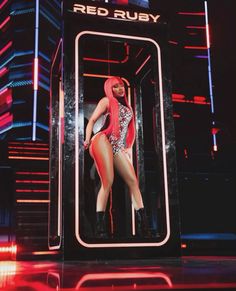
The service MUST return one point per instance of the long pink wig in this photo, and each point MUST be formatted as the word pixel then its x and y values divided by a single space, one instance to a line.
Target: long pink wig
pixel 113 109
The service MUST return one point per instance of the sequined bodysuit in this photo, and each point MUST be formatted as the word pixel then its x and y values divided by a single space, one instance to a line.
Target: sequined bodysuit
pixel 125 116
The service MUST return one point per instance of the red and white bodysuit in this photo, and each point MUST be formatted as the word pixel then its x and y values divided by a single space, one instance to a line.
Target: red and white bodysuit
pixel 125 116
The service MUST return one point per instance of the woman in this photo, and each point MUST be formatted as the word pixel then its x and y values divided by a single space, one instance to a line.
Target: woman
pixel 111 147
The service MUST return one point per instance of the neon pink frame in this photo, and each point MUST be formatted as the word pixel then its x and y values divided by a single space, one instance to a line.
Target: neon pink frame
pixel 77 149
pixel 60 176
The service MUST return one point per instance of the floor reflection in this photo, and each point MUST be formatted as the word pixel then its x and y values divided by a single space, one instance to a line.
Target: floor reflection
pixel 187 273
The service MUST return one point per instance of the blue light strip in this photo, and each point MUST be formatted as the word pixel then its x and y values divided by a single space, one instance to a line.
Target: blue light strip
pixel 21 83
pixel 22 11
pixel 36 48
pixel 6 86
pixel 22 124
pixel 45 57
pixel 44 86
pixel 210 74
pixel 50 18
pixel 12 56
pixel 43 126
pixel 6 129
pixel 28 123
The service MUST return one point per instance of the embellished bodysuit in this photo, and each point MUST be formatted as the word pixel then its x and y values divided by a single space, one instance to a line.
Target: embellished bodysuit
pixel 125 116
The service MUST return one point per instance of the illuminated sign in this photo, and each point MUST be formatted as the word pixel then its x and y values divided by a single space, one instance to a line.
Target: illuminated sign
pixel 119 14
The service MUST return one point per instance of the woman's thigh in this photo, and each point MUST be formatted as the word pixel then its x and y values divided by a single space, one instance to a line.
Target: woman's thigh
pixel 101 151
pixel 125 168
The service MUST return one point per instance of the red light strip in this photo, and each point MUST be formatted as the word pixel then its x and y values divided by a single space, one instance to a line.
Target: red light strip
pixel 6 47
pixel 196 99
pixel 45 253
pixel 199 98
pixel 196 27
pixel 32 173
pixel 31 191
pixel 27 158
pixel 3 3
pixel 192 13
pixel 32 181
pixel 195 47
pixel 28 143
pixel 143 64
pixel 3 71
pixel 28 148
pixel 31 201
pixel 7 119
pixel 102 60
pixel 178 96
pixel 201 102
pixel 5 22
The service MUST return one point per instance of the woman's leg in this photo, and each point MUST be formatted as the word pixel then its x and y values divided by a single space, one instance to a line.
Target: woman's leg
pixel 126 171
pixel 101 152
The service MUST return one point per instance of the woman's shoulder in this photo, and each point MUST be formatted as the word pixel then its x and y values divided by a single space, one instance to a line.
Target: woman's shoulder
pixel 104 101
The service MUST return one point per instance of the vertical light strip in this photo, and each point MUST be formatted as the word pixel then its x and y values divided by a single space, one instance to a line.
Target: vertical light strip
pixel 210 74
pixel 36 48
pixel 36 63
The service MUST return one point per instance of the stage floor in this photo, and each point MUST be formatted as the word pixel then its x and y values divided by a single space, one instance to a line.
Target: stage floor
pixel 185 273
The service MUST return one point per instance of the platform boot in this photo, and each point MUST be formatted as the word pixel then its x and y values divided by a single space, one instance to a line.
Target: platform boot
pixel 142 224
pixel 101 227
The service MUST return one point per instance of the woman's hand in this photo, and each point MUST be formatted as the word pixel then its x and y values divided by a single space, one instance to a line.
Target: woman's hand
pixel 86 144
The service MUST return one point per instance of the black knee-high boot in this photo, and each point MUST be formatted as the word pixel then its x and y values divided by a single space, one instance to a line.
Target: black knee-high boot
pixel 142 224
pixel 101 229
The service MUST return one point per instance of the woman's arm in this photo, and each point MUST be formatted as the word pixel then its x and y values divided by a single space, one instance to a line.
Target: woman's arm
pixel 101 108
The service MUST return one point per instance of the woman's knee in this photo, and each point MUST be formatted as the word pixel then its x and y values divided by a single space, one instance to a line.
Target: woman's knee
pixel 107 182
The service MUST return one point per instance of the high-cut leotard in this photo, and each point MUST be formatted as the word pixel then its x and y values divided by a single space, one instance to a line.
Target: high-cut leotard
pixel 125 116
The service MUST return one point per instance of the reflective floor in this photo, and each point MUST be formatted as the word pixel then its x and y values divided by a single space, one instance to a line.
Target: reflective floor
pixel 186 273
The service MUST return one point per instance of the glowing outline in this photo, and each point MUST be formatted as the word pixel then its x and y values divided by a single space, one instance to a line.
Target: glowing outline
pixel 112 245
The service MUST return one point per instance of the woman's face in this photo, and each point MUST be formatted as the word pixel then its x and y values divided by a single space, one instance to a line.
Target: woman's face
pixel 118 90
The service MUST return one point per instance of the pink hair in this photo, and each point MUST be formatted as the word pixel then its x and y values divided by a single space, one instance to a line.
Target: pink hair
pixel 113 109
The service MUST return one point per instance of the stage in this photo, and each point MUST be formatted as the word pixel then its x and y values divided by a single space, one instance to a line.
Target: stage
pixel 185 273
